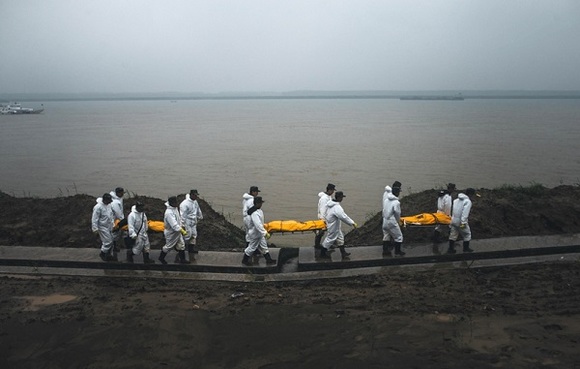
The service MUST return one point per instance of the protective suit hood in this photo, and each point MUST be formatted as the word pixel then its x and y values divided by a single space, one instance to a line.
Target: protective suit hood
pixel 114 196
pixel 332 203
pixel 388 191
pixel 247 196
pixel 391 197
pixel 462 196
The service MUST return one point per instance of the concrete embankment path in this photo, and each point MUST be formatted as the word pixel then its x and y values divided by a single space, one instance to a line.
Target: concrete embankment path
pixel 299 263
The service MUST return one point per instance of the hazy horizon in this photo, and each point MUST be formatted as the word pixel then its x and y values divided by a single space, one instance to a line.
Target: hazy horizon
pixel 258 46
pixel 290 94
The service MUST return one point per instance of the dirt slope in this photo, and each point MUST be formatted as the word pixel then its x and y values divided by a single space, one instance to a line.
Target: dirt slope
pixel 502 212
pixel 66 222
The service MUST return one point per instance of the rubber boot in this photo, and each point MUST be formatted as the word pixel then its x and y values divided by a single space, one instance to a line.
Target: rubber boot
pixel 130 256
pixel 103 256
pixel 191 249
pixel 466 247
pixel 398 251
pixel 269 259
pixel 147 259
pixel 191 252
pixel 182 259
pixel 246 260
pixel 317 240
pixel 111 256
pixel 451 249
pixel 386 249
pixel 162 257
pixel 343 252
pixel 324 253
pixel 436 237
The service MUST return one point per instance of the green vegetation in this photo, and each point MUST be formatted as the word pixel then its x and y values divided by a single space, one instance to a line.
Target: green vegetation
pixel 533 189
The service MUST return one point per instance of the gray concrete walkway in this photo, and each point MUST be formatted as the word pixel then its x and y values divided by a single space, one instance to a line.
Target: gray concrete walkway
pixel 293 263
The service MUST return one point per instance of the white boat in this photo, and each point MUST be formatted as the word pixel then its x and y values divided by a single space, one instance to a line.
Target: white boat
pixel 16 108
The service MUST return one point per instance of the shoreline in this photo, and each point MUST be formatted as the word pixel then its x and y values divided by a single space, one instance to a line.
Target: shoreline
pixel 499 316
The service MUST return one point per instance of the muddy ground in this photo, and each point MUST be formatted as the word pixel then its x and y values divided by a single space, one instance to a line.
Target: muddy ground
pixel 524 316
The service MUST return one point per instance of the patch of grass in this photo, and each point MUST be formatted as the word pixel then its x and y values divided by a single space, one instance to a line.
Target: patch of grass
pixel 69 192
pixel 533 189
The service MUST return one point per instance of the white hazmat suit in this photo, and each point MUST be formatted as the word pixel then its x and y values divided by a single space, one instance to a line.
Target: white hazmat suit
pixel 323 200
pixel 444 204
pixel 172 232
pixel 137 223
pixel 460 218
pixel 391 217
pixel 102 222
pixel 247 203
pixel 334 216
pixel 117 207
pixel 256 232
pixel 191 214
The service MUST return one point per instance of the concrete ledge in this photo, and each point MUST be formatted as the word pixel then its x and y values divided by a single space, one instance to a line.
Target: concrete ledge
pixel 293 262
pixel 372 257
pixel 486 249
pixel 57 257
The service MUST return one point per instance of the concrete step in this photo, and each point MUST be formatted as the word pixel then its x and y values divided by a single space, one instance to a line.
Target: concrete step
pixel 303 259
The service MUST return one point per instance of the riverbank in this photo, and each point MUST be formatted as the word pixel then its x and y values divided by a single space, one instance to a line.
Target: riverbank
pixel 503 212
pixel 524 316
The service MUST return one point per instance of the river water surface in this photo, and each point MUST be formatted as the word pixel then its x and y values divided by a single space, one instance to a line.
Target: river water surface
pixel 289 148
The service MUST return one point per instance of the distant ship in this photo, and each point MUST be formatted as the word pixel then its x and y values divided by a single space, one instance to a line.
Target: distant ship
pixel 16 108
pixel 433 97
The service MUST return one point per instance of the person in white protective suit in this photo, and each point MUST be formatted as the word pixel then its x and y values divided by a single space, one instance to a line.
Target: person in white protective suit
pixel 257 234
pixel 173 232
pixel 334 216
pixel 391 218
pixel 248 202
pixel 323 199
pixel 137 223
pixel 191 214
pixel 389 189
pixel 444 203
pixel 102 224
pixel 118 212
pixel 460 221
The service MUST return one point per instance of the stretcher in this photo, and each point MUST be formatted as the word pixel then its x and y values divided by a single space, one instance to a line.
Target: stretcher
pixel 425 219
pixel 282 226
pixel 152 225
pixel 155 225
pixel 275 226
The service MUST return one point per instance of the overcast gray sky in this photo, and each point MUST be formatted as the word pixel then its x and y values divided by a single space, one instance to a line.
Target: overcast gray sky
pixel 71 46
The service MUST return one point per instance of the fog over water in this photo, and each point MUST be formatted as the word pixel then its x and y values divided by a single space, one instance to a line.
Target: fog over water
pixel 111 46
pixel 290 148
